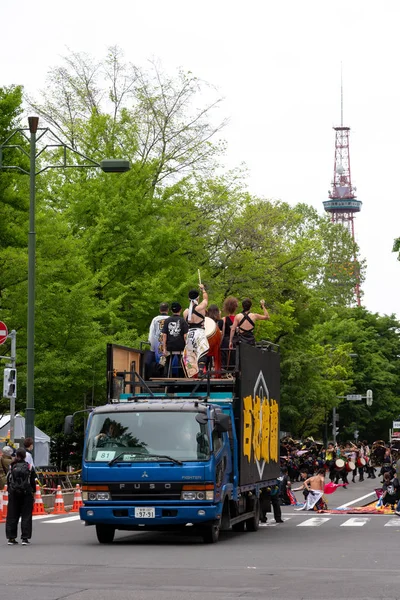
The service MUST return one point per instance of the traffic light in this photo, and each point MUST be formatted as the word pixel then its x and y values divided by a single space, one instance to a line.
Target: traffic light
pixel 10 383
pixel 369 397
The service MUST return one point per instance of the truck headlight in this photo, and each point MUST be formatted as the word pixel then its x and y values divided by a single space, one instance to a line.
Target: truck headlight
pixel 95 492
pixel 197 495
pixel 96 496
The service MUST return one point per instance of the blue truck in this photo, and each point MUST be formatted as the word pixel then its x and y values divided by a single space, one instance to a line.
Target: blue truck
pixel 173 453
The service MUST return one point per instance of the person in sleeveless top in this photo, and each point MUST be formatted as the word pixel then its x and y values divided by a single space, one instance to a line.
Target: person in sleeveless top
pixel 244 323
pixel 227 356
pixel 196 341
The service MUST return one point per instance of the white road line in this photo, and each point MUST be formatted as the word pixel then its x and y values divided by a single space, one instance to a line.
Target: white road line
pixel 273 523
pixel 64 519
pixel 355 522
pixel 357 500
pixel 47 516
pixel 393 523
pixel 314 522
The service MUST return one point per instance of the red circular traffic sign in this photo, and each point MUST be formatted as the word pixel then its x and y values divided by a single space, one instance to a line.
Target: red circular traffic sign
pixel 3 332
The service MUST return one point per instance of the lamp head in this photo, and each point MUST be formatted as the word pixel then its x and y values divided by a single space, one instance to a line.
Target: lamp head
pixel 113 165
pixel 33 124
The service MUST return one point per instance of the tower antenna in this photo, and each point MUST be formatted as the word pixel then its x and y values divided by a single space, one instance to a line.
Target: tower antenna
pixel 341 94
pixel 343 204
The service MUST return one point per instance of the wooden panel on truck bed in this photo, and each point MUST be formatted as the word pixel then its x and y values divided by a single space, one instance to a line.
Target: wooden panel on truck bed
pixel 257 414
pixel 120 359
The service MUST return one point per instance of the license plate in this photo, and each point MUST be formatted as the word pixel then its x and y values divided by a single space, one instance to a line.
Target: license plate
pixel 144 512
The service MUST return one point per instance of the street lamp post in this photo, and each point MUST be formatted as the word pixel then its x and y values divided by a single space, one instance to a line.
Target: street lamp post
pixel 108 166
pixel 30 349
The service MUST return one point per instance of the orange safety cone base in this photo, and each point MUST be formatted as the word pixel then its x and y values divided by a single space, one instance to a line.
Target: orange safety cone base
pixel 38 507
pixel 78 502
pixel 4 503
pixel 59 506
pixel 2 519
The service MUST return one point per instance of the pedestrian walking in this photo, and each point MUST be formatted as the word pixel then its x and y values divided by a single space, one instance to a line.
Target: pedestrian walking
pixel 21 485
pixel 270 499
pixel 28 445
pixel 5 461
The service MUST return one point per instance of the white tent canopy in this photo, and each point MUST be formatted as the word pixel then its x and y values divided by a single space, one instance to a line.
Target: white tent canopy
pixel 42 441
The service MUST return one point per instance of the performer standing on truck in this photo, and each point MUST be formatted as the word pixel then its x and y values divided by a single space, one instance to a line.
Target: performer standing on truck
pixel 174 336
pixel 156 341
pixel 244 323
pixel 196 342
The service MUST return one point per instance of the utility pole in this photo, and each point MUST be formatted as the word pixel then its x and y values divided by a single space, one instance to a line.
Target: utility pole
pixel 334 424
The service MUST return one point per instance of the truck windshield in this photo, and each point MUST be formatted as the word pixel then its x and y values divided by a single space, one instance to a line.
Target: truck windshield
pixel 149 435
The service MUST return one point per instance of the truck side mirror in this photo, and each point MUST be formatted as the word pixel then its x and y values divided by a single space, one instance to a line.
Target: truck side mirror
pixel 69 425
pixel 201 418
pixel 222 422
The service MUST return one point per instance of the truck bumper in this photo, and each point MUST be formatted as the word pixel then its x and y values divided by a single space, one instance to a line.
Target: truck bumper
pixel 165 516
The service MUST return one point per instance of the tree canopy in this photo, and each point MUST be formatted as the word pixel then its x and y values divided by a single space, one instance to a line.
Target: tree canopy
pixel 111 247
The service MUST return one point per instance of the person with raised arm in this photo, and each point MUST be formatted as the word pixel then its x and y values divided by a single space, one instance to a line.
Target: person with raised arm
pixel 244 323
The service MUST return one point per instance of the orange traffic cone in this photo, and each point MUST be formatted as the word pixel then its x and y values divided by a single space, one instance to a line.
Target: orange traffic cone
pixel 38 507
pixel 2 519
pixel 59 507
pixel 78 502
pixel 5 502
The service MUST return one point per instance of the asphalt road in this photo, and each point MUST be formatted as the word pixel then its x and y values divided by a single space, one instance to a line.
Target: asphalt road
pixel 318 557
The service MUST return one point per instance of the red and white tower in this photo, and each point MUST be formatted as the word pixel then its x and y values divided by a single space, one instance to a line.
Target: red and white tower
pixel 343 204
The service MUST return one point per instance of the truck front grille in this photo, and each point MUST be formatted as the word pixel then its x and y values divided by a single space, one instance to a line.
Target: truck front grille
pixel 146 491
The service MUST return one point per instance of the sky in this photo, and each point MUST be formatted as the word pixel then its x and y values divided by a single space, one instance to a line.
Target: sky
pixel 277 65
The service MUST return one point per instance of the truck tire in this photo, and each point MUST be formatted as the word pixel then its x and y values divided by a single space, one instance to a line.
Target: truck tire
pixel 210 533
pixel 239 526
pixel 105 533
pixel 254 523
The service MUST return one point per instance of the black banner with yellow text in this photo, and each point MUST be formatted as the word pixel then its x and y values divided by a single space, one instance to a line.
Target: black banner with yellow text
pixel 257 414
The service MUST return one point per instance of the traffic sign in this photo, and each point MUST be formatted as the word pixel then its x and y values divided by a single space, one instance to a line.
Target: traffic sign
pixel 396 424
pixel 354 397
pixel 3 332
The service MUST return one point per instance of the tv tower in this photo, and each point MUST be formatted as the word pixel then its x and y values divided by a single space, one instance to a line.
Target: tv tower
pixel 343 203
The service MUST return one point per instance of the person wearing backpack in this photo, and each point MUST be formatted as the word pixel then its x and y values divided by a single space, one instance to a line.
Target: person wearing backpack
pixel 21 485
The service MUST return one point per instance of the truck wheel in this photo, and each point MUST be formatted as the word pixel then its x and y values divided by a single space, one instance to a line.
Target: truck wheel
pixel 254 523
pixel 105 533
pixel 211 533
pixel 239 526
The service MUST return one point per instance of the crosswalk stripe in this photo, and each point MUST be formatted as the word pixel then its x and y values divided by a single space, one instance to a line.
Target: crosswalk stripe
pixel 273 523
pixel 314 522
pixel 64 519
pixel 355 522
pixel 393 523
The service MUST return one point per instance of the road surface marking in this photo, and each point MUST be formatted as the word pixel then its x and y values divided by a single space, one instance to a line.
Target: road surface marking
pixel 273 523
pixel 48 516
pixel 64 519
pixel 314 522
pixel 355 522
pixel 357 500
pixel 393 523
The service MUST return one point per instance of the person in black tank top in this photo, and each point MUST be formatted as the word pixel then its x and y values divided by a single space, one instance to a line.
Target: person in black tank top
pixel 228 356
pixel 244 323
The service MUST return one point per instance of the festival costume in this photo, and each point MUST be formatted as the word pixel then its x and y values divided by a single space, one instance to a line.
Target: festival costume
pixel 197 344
pixel 155 336
pixel 314 499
